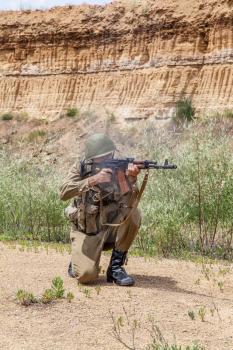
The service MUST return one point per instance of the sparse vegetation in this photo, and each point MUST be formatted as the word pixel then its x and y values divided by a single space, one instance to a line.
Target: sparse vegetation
pixel 72 112
pixel 87 292
pixel 25 298
pixel 196 219
pixel 184 110
pixel 190 209
pixel 35 135
pixel 6 116
pixel 56 292
pixel 125 329
pixel 228 113
pixel 202 313
pixel 191 315
pixel 30 207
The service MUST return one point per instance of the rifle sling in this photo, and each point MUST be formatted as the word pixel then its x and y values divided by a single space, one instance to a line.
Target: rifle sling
pixel 134 206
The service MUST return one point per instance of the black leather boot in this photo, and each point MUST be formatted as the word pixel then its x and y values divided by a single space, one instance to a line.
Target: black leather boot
pixel 116 273
pixel 70 272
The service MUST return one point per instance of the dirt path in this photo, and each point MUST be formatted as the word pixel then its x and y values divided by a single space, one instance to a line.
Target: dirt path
pixel 165 291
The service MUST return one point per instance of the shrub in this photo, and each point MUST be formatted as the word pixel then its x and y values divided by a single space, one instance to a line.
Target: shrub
pixel 25 298
pixel 228 113
pixel 54 293
pixel 190 208
pixel 7 116
pixel 35 135
pixel 184 110
pixel 72 112
pixel 30 207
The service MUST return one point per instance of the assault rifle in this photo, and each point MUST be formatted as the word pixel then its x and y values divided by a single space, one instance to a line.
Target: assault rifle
pixel 119 167
pixel 90 167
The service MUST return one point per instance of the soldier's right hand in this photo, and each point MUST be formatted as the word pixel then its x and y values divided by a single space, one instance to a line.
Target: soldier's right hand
pixel 104 176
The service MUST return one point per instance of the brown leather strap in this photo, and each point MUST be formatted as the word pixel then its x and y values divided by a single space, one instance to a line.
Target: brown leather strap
pixel 134 205
pixel 124 187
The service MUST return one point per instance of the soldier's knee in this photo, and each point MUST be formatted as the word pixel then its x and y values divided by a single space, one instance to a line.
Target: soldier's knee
pixel 88 275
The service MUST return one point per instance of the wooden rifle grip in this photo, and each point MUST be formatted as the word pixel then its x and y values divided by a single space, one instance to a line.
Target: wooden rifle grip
pixel 124 187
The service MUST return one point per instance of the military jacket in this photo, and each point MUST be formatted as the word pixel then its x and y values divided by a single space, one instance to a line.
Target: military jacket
pixel 93 208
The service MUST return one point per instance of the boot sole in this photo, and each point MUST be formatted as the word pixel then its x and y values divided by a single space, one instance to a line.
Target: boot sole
pixel 111 280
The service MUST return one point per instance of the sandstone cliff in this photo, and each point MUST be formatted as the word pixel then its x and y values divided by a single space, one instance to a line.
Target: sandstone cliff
pixel 136 58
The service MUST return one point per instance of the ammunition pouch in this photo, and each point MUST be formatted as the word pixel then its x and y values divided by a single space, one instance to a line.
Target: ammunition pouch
pixel 84 217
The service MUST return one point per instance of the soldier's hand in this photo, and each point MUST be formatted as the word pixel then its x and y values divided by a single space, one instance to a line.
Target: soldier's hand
pixel 133 170
pixel 104 176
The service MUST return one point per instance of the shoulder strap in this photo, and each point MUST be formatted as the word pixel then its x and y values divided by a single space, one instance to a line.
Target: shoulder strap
pixel 134 205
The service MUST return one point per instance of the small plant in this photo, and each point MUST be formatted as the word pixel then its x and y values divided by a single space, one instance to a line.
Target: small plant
pixel 56 291
pixel 125 329
pixel 129 294
pixel 97 289
pixel 87 292
pixel 221 286
pixel 48 296
pixel 58 288
pixel 36 134
pixel 184 110
pixel 111 118
pixel 70 297
pixel 202 313
pixel 191 315
pixel 7 116
pixel 72 112
pixel 25 298
pixel 228 113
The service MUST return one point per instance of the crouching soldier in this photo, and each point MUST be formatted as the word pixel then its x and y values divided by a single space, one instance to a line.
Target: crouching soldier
pixel 102 214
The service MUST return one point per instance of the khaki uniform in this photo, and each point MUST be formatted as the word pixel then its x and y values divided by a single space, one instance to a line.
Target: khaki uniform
pixel 89 236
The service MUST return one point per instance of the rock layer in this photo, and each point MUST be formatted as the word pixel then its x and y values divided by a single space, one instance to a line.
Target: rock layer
pixel 137 58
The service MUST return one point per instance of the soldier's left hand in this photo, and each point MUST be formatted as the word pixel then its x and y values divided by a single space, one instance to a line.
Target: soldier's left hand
pixel 132 170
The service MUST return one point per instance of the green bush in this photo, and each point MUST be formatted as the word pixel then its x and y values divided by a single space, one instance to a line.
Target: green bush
pixel 30 207
pixel 72 112
pixel 57 291
pixel 7 116
pixel 228 113
pixel 184 110
pixel 190 208
pixel 35 135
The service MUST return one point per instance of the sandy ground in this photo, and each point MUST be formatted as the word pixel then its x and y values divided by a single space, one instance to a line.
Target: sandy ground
pixel 165 290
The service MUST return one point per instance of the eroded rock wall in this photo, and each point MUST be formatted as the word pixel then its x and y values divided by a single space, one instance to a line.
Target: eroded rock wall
pixel 135 58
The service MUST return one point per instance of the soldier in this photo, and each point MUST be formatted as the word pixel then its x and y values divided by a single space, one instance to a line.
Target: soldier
pixel 101 215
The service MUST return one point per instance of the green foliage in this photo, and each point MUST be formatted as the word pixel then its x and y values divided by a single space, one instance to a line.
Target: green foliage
pixel 7 116
pixel 87 292
pixel 191 315
pixel 184 110
pixel 72 112
pixel 228 113
pixel 35 135
pixel 190 209
pixel 48 296
pixel 202 313
pixel 56 292
pixel 25 298
pixel 57 287
pixel 69 296
pixel 125 329
pixel 30 207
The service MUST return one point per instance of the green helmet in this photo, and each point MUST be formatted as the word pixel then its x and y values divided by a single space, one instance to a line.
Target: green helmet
pixel 98 145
